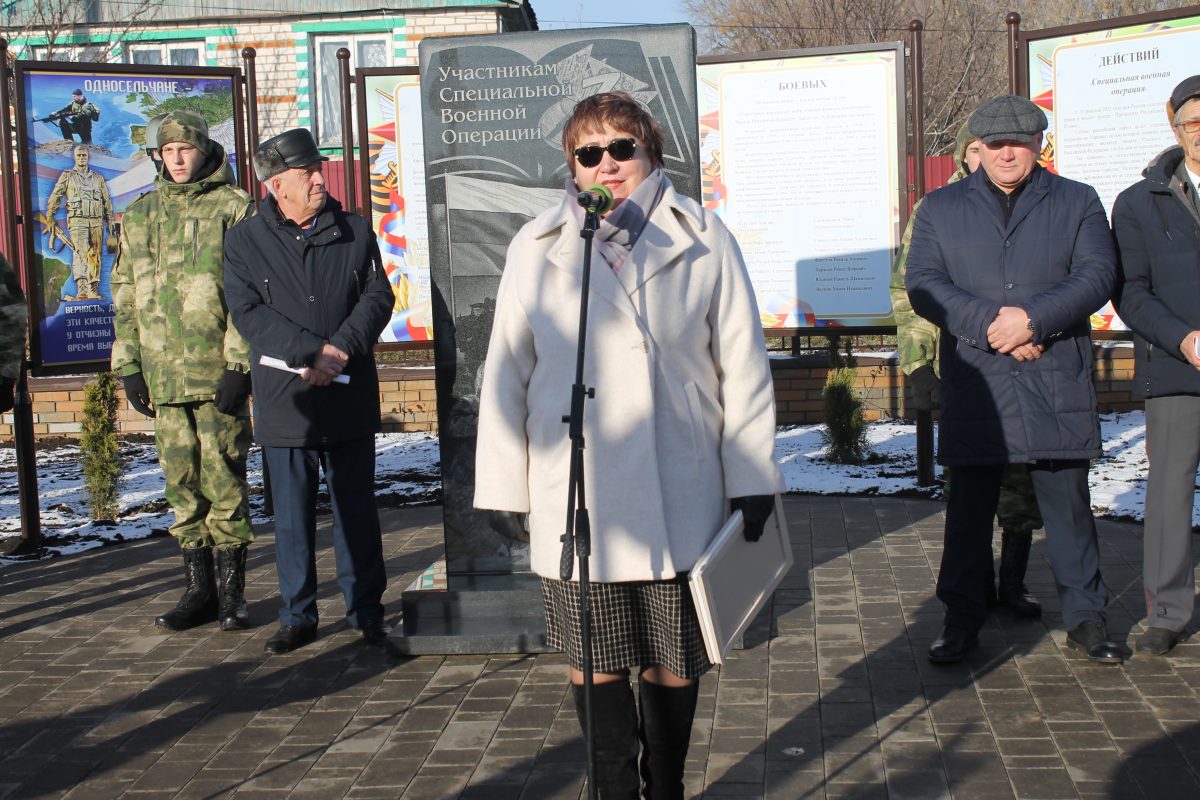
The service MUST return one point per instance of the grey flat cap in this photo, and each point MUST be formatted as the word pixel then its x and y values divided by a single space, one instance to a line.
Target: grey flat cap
pixel 1005 117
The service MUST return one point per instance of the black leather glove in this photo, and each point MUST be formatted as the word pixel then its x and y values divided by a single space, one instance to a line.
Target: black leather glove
pixel 137 394
pixel 509 524
pixel 6 395
pixel 755 511
pixel 232 391
pixel 926 389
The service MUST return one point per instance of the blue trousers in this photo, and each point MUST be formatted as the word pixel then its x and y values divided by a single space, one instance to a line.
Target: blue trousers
pixel 965 576
pixel 349 469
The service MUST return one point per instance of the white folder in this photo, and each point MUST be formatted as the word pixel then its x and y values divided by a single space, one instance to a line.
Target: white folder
pixel 733 579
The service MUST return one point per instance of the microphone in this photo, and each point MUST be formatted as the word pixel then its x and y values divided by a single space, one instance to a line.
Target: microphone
pixel 596 197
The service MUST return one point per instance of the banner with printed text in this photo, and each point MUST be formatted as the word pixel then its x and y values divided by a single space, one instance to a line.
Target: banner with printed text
pixel 82 144
pixel 1105 93
pixel 396 166
pixel 818 229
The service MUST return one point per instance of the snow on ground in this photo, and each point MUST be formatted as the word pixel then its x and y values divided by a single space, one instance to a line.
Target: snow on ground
pixel 407 473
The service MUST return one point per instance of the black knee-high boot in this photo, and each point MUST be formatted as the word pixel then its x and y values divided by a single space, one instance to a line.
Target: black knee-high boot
pixel 616 742
pixel 665 731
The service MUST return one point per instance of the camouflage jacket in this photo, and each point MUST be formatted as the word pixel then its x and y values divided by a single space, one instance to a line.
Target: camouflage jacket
pixel 13 315
pixel 171 319
pixel 75 109
pixel 916 337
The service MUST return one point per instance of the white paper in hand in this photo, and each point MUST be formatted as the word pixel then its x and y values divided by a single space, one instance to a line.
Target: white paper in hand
pixel 279 363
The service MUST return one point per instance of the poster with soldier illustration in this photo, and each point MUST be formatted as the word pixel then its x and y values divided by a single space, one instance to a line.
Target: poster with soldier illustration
pixel 83 155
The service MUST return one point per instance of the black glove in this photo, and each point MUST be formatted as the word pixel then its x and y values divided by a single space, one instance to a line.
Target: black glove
pixel 6 395
pixel 232 391
pixel 509 524
pixel 926 389
pixel 755 511
pixel 137 394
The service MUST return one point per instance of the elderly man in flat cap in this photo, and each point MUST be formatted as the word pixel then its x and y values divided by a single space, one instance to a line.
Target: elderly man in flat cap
pixel 1010 263
pixel 307 288
pixel 1158 295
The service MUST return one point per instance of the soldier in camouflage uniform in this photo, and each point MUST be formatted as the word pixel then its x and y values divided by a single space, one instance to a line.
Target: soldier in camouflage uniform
pixel 177 349
pixel 917 340
pixel 13 315
pixel 89 213
pixel 76 117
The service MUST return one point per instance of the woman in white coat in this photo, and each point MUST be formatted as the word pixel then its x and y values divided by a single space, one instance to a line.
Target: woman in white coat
pixel 681 427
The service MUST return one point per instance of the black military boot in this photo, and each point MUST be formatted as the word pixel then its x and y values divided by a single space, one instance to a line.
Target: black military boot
pixel 1014 558
pixel 231 566
pixel 616 743
pixel 665 730
pixel 198 604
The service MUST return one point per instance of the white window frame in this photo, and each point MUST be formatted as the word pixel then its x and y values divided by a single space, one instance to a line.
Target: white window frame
pixel 70 52
pixel 323 75
pixel 165 49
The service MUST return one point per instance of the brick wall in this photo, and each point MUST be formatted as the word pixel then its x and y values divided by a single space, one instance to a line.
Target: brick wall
pixel 799 381
pixel 408 398
pixel 407 402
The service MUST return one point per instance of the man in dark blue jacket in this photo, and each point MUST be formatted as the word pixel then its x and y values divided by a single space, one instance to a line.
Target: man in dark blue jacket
pixel 306 287
pixel 1157 222
pixel 1010 263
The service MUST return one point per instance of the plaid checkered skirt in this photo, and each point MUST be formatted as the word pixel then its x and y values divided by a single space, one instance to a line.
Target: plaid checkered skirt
pixel 634 624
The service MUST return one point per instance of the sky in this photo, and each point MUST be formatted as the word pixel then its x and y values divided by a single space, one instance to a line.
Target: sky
pixel 552 14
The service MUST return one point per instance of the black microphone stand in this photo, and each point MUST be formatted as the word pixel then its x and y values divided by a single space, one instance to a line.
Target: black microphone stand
pixel 578 536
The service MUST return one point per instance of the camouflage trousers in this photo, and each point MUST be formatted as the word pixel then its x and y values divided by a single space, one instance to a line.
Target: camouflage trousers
pixel 1018 508
pixel 203 457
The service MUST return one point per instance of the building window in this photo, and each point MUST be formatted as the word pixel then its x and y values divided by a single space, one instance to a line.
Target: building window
pixel 366 50
pixel 175 54
pixel 90 53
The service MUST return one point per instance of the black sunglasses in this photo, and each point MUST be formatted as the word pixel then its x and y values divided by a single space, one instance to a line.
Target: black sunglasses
pixel 619 149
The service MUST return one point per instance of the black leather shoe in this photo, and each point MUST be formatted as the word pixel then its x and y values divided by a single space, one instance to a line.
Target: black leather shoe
pixel 290 637
pixel 952 645
pixel 375 632
pixel 1158 641
pixel 1091 637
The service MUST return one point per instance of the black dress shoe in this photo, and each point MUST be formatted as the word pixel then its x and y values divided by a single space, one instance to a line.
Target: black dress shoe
pixel 952 645
pixel 290 637
pixel 375 632
pixel 1091 637
pixel 1158 641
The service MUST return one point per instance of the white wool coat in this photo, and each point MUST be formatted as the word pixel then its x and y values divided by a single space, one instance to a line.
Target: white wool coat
pixel 684 412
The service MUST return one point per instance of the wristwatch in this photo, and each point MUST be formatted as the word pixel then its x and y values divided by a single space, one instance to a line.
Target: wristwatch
pixel 1029 325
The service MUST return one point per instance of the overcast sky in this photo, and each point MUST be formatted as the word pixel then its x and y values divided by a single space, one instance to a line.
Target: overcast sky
pixel 577 14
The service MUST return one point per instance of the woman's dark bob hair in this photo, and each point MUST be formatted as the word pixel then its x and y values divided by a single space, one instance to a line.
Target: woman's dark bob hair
pixel 618 110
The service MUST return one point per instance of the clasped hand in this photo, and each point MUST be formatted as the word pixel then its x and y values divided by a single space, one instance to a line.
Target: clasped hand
pixel 1009 330
pixel 328 364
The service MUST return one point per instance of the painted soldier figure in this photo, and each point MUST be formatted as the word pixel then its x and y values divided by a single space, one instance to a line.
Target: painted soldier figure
pixel 13 316
pixel 89 216
pixel 76 118
pixel 183 363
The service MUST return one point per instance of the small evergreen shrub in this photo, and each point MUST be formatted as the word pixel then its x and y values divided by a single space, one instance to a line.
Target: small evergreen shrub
pixel 845 433
pixel 99 452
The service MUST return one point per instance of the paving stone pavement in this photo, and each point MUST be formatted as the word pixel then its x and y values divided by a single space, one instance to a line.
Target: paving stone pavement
pixel 832 697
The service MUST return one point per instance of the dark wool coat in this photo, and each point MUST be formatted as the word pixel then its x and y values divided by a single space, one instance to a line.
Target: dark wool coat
pixel 1056 260
pixel 1158 286
pixel 288 295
